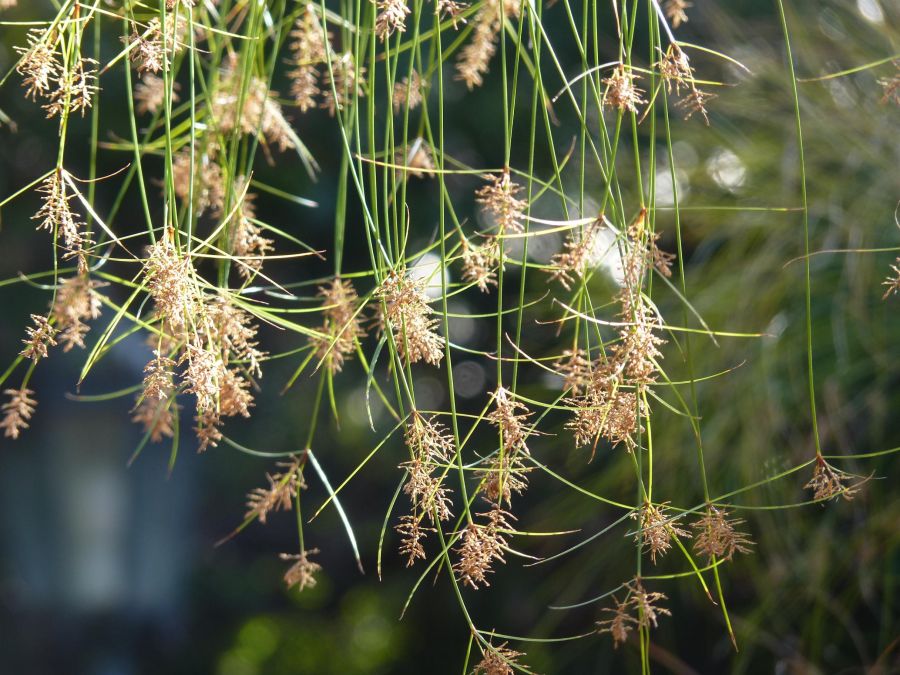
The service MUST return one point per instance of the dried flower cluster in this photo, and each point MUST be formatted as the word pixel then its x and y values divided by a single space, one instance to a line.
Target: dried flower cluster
pixel 639 609
pixel 829 483
pixel 279 495
pixel 620 91
pixel 475 58
pixel 676 11
pixel 343 83
pixel 431 447
pixel 342 327
pixel 152 47
pixel 248 245
pixel 214 340
pixel 418 161
pixel 499 660
pixel 38 338
pixel 408 92
pixel 155 409
pixel 67 85
pixel 480 546
pixel 716 536
pixel 579 253
pixel 892 282
pixel 56 215
pixel 481 262
pixel 391 18
pixel 656 530
pixel 250 108
pixel 499 199
pixel 309 51
pixel 150 94
pixel 17 411
pixel 408 314
pixel 676 70
pixel 77 301
pixel 302 571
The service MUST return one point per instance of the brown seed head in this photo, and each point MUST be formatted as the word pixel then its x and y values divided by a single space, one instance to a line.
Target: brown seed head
pixel 656 530
pixel 407 311
pixel 391 17
pixel 17 411
pixel 279 495
pixel 342 326
pixel 717 537
pixel 621 92
pixel 676 12
pixel 499 660
pixel 499 199
pixel 481 262
pixel 302 572
pixel 38 338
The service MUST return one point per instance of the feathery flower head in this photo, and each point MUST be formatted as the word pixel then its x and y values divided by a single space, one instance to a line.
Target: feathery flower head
pixel 580 251
pixel 426 491
pixel 39 65
pixel 17 411
pixel 475 58
pixel 418 161
pixel 279 495
pixel 260 112
pixel 694 101
pixel 342 326
pixel 576 369
pixel 450 9
pixel 656 530
pixel 407 311
pixel 412 532
pixel 829 483
pixel 639 609
pixel 504 476
pixel 150 94
pixel 76 301
pixel 207 429
pixel 408 91
pixel 499 199
pixel 56 214
pixel 39 337
pixel 428 439
pixel 302 572
pixel 168 276
pixel 676 11
pixel 345 79
pixel 156 417
pixel 893 281
pixel 308 50
pixel 207 178
pixel 717 536
pixel 509 416
pixel 480 546
pixel 620 90
pixel 499 660
pixel 480 263
pixel 391 17
pixel 891 87
pixel 608 412
pixel 248 244
pixel 675 68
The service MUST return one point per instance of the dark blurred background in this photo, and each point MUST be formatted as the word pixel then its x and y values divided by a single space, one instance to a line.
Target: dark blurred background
pixel 108 570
